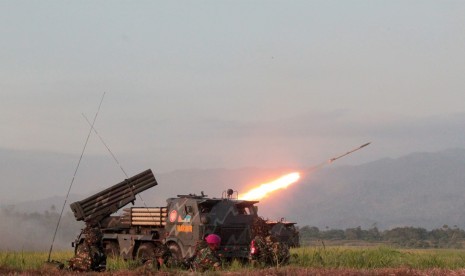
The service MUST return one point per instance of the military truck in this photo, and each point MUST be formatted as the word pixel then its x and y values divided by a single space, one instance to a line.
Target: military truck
pixel 180 224
pixel 284 231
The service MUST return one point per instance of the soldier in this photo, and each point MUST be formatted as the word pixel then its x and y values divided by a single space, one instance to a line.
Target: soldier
pixel 268 251
pixel 199 245
pixel 207 258
pixel 165 258
pixel 259 253
pixel 279 252
pixel 90 255
pixel 260 227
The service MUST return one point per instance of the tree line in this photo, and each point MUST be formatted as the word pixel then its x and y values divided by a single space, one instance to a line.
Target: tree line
pixel 412 237
pixel 28 231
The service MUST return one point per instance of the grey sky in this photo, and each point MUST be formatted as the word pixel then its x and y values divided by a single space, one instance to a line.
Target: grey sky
pixel 205 84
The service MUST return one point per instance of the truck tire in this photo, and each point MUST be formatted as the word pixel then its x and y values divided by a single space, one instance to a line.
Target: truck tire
pixel 146 251
pixel 111 249
pixel 175 251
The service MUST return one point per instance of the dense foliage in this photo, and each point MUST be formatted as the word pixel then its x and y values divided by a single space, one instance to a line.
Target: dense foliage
pixel 412 237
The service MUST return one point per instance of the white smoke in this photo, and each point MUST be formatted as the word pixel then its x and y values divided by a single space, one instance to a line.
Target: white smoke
pixel 34 231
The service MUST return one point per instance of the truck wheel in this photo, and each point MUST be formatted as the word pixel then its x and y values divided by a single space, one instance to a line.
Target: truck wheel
pixel 111 249
pixel 175 251
pixel 146 252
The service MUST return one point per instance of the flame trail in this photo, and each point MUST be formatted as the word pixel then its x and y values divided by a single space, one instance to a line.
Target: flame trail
pixel 264 189
pixel 284 181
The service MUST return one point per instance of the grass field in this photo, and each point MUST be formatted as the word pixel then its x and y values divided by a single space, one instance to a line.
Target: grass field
pixel 306 260
pixel 377 257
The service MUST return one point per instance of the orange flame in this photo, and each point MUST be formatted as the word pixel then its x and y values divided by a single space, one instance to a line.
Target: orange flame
pixel 264 189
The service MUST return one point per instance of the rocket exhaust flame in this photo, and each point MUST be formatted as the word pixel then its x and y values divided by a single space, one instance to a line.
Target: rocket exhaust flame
pixel 283 182
pixel 264 189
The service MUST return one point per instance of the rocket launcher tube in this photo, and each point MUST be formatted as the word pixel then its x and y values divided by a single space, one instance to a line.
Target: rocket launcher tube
pixel 132 182
pixel 96 207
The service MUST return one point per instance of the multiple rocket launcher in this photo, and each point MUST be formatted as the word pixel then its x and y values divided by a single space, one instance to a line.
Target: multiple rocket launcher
pixel 101 205
pixel 95 208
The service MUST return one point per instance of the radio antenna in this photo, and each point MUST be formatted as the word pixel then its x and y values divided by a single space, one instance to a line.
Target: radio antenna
pixel 74 176
pixel 114 157
pixel 105 144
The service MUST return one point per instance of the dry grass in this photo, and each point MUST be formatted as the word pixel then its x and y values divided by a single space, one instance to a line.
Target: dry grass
pixel 305 261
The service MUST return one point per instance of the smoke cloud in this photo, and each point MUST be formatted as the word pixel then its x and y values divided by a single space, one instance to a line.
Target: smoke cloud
pixel 21 231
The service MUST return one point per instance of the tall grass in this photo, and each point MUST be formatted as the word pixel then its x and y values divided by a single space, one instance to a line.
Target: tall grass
pixel 305 257
pixel 30 260
pixel 117 263
pixel 35 260
pixel 377 257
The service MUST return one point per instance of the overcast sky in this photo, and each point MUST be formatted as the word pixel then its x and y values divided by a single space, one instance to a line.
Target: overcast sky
pixel 208 84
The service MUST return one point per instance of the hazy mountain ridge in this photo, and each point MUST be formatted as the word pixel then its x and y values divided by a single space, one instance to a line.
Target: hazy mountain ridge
pixel 419 189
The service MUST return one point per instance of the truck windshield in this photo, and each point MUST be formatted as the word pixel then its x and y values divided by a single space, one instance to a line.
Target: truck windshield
pixel 245 210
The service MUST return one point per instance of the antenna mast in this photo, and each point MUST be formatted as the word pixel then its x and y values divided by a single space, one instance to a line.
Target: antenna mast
pixel 72 180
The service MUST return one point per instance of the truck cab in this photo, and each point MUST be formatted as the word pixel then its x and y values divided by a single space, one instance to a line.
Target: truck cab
pixel 192 217
pixel 284 231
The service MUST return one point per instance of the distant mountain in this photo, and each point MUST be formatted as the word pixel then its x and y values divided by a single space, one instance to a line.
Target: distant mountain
pixel 50 204
pixel 419 189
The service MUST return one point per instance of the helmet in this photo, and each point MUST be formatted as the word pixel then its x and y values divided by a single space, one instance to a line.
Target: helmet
pixel 212 238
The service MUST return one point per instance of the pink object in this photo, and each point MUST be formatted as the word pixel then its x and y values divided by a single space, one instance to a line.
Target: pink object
pixel 212 238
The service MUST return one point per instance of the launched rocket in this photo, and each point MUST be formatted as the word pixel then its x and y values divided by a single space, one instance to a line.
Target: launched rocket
pixel 331 160
pixel 349 152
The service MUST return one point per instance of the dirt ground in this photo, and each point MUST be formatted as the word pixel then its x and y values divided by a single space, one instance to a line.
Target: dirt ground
pixel 270 272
